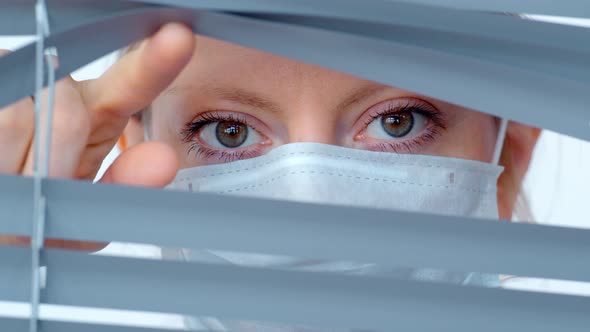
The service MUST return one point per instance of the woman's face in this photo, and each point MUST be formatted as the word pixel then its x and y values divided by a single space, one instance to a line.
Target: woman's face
pixel 233 103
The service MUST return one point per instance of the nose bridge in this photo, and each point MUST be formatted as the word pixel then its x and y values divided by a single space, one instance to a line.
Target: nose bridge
pixel 312 119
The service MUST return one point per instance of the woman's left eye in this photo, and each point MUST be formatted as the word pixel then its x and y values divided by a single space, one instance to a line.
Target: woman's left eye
pixel 397 125
pixel 403 125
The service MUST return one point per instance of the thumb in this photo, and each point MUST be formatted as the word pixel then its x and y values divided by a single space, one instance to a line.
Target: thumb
pixel 149 164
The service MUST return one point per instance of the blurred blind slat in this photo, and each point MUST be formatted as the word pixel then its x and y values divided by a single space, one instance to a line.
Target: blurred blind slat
pixel 475 24
pixel 316 299
pixel 574 8
pixel 78 210
pixel 15 274
pixel 14 324
pixel 69 13
pixel 565 63
pixel 470 82
pixel 16 205
pixel 22 325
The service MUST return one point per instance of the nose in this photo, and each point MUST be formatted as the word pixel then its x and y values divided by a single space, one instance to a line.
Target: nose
pixel 312 123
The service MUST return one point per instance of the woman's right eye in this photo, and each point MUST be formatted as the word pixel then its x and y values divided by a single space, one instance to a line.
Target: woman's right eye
pixel 229 134
pixel 219 137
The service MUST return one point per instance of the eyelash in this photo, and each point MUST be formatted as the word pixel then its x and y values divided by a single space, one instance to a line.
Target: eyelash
pixel 436 118
pixel 192 128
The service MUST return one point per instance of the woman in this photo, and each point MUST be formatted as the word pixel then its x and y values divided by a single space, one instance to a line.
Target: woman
pixel 209 102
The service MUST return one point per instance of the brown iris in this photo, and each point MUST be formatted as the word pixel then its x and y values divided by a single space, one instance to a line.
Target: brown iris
pixel 398 124
pixel 231 134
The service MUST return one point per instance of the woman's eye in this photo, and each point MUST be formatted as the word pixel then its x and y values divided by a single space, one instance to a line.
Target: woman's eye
pixel 402 125
pixel 398 125
pixel 221 137
pixel 229 135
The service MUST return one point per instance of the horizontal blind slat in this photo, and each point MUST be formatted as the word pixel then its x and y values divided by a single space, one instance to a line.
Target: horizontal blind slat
pixel 411 14
pixel 98 212
pixel 15 274
pixel 179 219
pixel 22 325
pixel 16 205
pixel 574 8
pixel 310 298
pixel 564 63
pixel 68 13
pixel 17 17
pixel 14 324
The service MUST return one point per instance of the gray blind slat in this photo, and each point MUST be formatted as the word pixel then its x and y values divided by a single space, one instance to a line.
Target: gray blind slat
pixel 80 210
pixel 492 28
pixel 15 274
pixel 17 16
pixel 14 324
pixel 22 325
pixel 317 299
pixel 16 205
pixel 55 326
pixel 297 297
pixel 565 63
pixel 407 13
pixel 575 8
pixel 178 219
pixel 457 79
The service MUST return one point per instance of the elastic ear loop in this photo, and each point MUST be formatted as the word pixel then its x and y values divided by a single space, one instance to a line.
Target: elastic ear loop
pixel 500 141
pixel 495 160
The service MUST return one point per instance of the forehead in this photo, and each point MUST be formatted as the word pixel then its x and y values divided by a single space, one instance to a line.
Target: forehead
pixel 221 63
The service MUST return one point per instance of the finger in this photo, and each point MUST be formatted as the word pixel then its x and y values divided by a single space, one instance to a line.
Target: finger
pixel 150 164
pixel 16 131
pixel 74 245
pixel 69 134
pixel 135 80
pixel 9 240
pixel 22 241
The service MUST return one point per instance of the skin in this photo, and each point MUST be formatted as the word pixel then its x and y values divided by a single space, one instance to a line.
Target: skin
pixel 180 77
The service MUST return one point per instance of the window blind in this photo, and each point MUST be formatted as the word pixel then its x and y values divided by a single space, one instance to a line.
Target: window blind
pixel 469 55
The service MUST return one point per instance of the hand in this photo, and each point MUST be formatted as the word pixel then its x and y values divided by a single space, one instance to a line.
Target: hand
pixel 89 117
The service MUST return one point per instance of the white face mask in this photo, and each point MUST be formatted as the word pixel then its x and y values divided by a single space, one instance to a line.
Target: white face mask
pixel 328 174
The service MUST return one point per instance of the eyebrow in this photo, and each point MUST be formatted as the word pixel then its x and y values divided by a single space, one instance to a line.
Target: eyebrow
pixel 233 94
pixel 360 94
pixel 252 99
